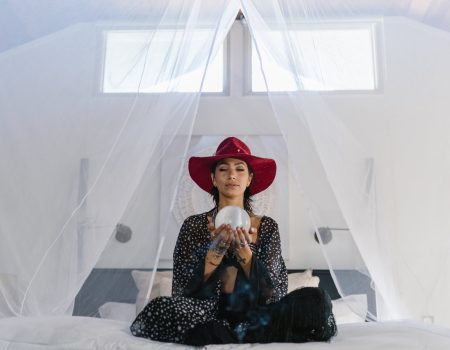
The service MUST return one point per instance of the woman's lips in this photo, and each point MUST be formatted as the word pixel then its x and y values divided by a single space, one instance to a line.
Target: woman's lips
pixel 232 185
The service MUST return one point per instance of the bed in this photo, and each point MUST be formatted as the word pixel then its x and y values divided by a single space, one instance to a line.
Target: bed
pixel 83 333
pixel 113 313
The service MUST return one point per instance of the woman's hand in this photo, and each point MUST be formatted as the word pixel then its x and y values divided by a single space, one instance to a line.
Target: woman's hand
pixel 251 237
pixel 235 241
pixel 221 240
pixel 241 246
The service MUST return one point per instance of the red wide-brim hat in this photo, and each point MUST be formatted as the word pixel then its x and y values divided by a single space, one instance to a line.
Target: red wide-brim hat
pixel 264 169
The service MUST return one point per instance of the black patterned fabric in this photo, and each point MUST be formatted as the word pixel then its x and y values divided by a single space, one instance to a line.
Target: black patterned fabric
pixel 196 303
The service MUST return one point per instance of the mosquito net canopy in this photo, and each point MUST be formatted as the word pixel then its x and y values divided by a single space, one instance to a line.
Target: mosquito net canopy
pixel 98 107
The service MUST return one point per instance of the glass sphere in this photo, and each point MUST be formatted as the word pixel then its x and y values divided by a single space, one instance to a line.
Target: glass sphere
pixel 234 216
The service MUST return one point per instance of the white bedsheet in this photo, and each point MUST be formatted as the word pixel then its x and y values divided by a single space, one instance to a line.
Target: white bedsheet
pixel 93 333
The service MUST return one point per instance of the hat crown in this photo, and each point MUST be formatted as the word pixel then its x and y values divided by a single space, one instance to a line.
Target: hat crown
pixel 232 145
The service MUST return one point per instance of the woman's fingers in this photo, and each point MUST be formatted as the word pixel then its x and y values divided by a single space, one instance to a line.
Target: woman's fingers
pixel 236 239
pixel 223 235
pixel 243 234
pixel 211 227
pixel 221 241
pixel 217 231
pixel 229 234
pixel 242 239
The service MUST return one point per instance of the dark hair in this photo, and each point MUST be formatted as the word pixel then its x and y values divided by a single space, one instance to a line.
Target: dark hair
pixel 247 194
pixel 303 315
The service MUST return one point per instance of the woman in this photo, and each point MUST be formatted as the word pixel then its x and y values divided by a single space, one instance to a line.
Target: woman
pixel 228 282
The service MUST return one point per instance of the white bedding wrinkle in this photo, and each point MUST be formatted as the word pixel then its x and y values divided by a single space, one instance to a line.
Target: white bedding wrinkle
pixel 86 333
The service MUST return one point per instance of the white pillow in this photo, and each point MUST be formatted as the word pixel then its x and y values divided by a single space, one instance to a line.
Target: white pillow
pixel 165 286
pixel 162 286
pixel 118 311
pixel 350 309
pixel 298 280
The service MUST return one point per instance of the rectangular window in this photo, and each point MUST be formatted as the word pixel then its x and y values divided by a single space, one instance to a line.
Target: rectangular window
pixel 145 61
pixel 337 57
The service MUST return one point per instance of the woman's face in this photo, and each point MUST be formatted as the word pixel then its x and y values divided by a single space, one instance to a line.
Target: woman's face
pixel 232 177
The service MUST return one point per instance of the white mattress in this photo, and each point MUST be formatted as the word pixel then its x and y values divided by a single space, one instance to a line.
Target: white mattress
pixel 93 333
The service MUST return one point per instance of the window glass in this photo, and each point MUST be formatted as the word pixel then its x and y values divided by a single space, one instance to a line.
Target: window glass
pixel 337 59
pixel 143 61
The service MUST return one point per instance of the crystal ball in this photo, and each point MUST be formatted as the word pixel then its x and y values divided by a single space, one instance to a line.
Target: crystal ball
pixel 233 216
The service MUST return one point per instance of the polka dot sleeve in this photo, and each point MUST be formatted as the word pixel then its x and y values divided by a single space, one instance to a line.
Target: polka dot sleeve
pixel 270 256
pixel 188 257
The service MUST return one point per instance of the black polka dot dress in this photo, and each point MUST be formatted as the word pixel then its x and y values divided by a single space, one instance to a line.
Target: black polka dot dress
pixel 195 302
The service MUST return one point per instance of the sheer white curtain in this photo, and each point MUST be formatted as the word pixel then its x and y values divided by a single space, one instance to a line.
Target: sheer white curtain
pixel 97 97
pixel 92 95
pixel 399 242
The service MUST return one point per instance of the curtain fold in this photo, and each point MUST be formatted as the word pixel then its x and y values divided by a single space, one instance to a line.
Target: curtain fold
pixel 75 155
pixel 97 106
pixel 317 139
pixel 361 175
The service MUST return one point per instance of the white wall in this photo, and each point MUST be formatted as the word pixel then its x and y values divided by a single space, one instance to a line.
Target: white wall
pixel 377 120
pixel 415 82
pixel 405 126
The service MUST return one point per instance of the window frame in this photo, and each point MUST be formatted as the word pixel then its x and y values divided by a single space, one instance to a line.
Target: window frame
pixel 102 31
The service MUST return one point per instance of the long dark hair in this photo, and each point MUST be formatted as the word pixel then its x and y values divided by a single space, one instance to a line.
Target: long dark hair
pixel 247 194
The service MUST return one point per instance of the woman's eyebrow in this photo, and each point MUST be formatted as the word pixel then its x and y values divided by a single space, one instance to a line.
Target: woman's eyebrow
pixel 228 163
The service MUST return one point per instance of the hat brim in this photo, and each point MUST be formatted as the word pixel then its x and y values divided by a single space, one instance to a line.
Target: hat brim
pixel 264 170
